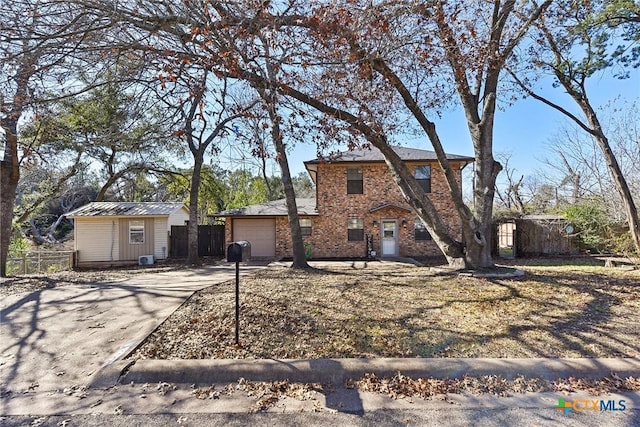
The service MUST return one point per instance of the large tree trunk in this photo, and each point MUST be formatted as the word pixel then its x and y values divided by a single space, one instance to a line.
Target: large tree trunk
pixel 9 177
pixel 297 242
pixel 192 230
pixel 477 231
pixel 299 256
pixel 630 209
pixel 10 165
pixel 475 250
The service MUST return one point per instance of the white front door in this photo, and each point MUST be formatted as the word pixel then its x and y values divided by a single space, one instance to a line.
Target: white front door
pixel 389 230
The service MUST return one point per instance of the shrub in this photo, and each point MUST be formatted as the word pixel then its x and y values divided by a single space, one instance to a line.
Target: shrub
pixel 308 251
pixel 592 225
pixel 17 245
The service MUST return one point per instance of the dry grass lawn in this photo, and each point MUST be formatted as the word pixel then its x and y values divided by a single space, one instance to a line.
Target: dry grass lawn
pixel 387 310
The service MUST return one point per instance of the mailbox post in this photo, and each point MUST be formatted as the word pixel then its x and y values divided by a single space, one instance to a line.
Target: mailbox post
pixel 238 252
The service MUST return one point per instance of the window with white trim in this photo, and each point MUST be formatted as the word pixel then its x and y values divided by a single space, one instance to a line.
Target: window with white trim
pixel 355 229
pixel 305 226
pixel 136 232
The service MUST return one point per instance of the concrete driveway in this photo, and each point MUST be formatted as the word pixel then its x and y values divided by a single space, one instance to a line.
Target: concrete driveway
pixel 54 340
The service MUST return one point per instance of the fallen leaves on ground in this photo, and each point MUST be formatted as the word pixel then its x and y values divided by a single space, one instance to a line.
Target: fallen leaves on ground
pixel 265 393
pixel 379 311
pixel 597 387
pixel 401 386
pixel 35 282
pixel 268 394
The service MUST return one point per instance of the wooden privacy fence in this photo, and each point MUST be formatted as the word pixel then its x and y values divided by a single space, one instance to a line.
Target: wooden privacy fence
pixel 210 241
pixel 543 236
pixel 36 262
pixel 534 235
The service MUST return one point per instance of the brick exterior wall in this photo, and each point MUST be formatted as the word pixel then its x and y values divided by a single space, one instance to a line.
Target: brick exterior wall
pixel 329 230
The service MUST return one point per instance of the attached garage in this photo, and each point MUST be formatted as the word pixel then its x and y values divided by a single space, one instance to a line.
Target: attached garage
pixel 265 226
pixel 260 232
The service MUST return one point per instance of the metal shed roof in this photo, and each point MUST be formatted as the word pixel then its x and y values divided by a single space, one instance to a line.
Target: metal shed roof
pixel 126 209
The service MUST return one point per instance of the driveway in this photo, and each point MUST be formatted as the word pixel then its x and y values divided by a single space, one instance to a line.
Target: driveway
pixel 54 340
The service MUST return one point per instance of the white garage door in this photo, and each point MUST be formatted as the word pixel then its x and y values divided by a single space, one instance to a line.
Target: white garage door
pixel 261 233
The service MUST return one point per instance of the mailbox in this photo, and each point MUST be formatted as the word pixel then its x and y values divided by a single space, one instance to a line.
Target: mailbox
pixel 239 251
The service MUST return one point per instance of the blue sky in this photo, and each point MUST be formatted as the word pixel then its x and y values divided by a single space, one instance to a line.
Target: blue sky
pixel 522 129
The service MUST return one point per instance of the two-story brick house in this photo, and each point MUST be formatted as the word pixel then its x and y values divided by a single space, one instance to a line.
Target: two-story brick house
pixel 359 210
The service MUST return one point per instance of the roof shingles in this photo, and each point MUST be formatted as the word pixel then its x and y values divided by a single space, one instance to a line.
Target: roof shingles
pixel 273 208
pixel 372 154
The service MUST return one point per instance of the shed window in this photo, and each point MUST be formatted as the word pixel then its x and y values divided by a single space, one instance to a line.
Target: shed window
pixel 420 231
pixel 305 227
pixel 423 176
pixel 355 230
pixel 136 232
pixel 354 181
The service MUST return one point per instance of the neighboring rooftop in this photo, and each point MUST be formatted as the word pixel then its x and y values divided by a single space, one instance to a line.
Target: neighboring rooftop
pixel 273 208
pixel 126 209
pixel 372 154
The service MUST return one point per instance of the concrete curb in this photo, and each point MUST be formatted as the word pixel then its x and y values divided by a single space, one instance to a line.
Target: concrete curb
pixel 336 371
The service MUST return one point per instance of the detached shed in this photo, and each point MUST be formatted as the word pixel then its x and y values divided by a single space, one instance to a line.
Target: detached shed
pixel 122 232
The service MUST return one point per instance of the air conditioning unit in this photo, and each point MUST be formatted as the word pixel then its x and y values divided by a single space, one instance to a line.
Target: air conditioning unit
pixel 145 260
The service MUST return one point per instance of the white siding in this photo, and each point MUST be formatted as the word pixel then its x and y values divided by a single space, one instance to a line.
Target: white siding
pixel 97 239
pixel 178 218
pixel 161 234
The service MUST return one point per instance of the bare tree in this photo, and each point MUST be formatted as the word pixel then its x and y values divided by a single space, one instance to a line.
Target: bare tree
pixel 269 96
pixel 574 46
pixel 40 49
pixel 511 194
pixel 575 166
pixel 578 170
pixel 205 108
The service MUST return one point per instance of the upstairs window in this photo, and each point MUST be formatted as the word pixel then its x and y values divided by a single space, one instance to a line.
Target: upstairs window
pixel 355 230
pixel 136 232
pixel 354 181
pixel 423 176
pixel 305 227
pixel 420 231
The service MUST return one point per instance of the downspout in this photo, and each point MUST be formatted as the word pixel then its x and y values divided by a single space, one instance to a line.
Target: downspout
pixel 113 237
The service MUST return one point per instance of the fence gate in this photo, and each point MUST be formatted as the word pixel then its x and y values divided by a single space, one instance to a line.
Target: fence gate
pixel 505 236
pixel 210 241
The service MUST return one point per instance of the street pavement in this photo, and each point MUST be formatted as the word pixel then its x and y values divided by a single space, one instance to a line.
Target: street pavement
pixel 63 363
